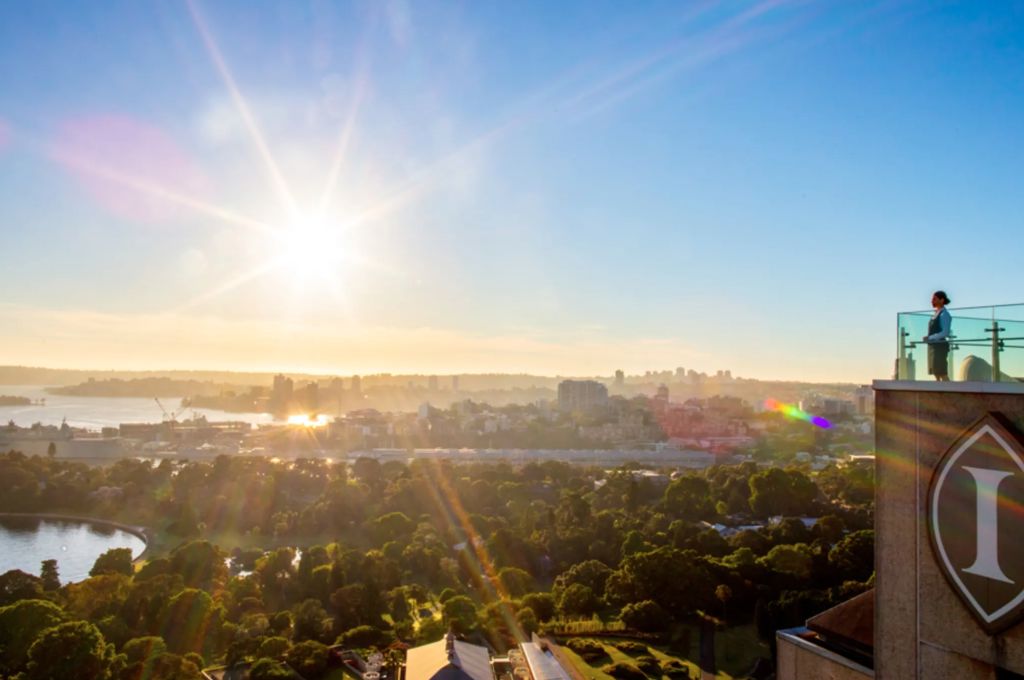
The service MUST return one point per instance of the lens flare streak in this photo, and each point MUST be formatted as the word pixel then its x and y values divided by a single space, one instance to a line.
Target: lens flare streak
pixel 791 411
pixel 277 178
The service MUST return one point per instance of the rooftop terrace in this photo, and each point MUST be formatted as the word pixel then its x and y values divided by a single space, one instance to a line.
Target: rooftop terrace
pixel 986 344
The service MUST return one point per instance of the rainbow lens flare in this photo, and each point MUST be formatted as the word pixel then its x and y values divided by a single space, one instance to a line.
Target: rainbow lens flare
pixel 791 411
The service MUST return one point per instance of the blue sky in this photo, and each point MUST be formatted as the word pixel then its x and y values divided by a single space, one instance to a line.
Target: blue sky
pixel 554 187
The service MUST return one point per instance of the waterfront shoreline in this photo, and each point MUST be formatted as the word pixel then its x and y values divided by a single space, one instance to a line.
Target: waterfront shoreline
pixel 142 533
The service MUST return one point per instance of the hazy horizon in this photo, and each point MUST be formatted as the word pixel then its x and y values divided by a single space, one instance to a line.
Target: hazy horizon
pixel 444 188
pixel 210 374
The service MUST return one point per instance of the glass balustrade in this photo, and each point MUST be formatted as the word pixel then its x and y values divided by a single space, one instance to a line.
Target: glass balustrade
pixel 985 344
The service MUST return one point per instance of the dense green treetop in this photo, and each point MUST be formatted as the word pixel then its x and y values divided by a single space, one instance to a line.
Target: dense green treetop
pixel 321 553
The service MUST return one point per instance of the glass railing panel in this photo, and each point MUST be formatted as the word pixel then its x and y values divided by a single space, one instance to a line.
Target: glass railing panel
pixel 981 338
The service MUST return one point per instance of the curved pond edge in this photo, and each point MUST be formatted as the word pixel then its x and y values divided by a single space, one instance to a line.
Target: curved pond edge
pixel 141 533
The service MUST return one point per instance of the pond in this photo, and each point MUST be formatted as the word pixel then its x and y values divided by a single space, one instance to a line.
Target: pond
pixel 25 542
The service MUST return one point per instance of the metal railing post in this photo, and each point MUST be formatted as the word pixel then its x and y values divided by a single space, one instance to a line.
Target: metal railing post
pixel 903 371
pixel 996 349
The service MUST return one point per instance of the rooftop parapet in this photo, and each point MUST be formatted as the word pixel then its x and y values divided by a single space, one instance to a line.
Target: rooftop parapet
pixel 985 344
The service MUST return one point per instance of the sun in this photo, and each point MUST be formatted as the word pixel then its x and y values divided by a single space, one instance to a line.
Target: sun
pixel 311 248
pixel 308 420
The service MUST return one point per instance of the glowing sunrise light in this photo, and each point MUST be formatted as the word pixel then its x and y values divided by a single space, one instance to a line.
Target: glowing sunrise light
pixel 311 248
pixel 791 411
pixel 308 421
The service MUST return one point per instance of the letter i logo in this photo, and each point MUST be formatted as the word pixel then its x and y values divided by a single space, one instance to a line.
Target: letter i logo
pixel 986 562
pixel 976 518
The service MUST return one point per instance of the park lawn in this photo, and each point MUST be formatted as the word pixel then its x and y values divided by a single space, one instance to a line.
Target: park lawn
pixel 585 669
pixel 616 656
pixel 736 650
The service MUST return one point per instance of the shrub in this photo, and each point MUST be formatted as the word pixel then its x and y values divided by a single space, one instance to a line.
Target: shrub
pixel 649 665
pixel 674 669
pixel 542 604
pixel 273 647
pixel 527 620
pixel 268 669
pixel 631 648
pixel 624 671
pixel 646 616
pixel 588 649
pixel 308 658
pixel 363 637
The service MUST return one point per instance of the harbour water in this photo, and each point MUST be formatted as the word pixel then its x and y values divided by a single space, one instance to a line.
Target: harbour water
pixel 97 412
pixel 26 542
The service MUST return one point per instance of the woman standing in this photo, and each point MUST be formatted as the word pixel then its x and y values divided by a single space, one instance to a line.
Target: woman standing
pixel 939 327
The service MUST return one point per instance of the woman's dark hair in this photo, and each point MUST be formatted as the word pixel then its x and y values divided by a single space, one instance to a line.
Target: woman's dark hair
pixel 941 294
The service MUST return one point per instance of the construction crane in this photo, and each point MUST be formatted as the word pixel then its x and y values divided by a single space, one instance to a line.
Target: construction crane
pixel 172 416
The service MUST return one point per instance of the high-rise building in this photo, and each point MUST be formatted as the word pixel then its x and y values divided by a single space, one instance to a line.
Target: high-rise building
pixel 581 395
pixel 281 394
pixel 455 383
pixel 620 378
pixel 432 383
pixel 309 399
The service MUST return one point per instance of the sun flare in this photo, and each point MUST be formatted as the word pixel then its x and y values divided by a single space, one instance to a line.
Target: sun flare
pixel 304 420
pixel 312 248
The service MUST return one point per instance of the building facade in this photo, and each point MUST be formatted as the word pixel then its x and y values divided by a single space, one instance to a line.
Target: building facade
pixel 581 395
pixel 949 563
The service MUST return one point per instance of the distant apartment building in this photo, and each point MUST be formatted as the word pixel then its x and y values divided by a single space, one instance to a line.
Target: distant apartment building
pixel 282 393
pixel 837 407
pixel 620 378
pixel 309 397
pixel 864 400
pixel 581 395
pixel 337 388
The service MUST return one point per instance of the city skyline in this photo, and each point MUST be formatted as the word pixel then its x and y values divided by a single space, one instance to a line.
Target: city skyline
pixel 438 188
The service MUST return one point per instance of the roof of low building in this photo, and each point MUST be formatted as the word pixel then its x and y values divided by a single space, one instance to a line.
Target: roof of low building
pixel 543 664
pixel 448 659
pixel 850 624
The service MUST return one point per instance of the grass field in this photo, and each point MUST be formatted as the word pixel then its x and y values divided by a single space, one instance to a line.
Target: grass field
pixel 736 650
